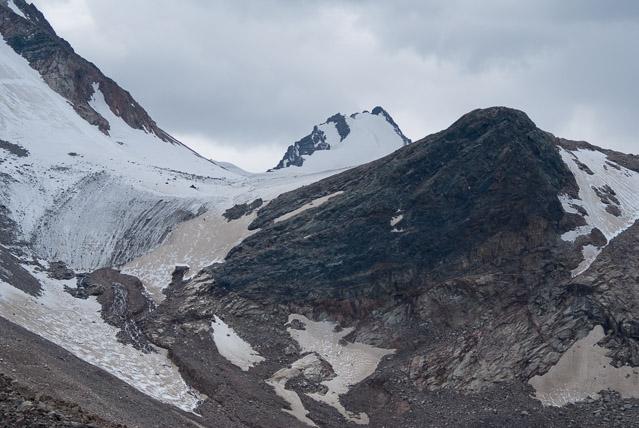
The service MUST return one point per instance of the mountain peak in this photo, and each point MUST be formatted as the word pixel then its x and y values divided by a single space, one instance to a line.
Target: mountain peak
pixel 354 140
pixel 476 122
pixel 379 111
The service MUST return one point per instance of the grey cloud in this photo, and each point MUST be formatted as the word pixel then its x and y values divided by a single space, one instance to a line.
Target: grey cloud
pixel 261 72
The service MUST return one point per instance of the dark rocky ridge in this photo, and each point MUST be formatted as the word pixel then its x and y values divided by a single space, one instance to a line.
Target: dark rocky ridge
pixel 492 176
pixel 475 293
pixel 379 111
pixel 316 140
pixel 13 273
pixel 340 124
pixel 240 210
pixel 69 74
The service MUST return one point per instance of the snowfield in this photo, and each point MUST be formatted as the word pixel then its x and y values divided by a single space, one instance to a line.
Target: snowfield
pixel 351 362
pixel 621 184
pixel 77 326
pixel 582 372
pixel 233 347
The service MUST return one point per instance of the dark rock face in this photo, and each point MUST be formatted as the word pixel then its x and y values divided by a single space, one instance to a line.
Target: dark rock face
pixel 21 407
pixel 381 112
pixel 60 271
pixel 123 300
pixel 240 210
pixel 8 228
pixel 316 140
pixel 340 124
pixel 14 149
pixel 610 288
pixel 12 272
pixel 67 73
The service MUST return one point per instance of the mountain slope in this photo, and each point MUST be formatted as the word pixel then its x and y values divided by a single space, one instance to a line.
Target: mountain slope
pixel 454 251
pixel 89 181
pixel 451 187
pixel 27 31
pixel 343 142
pixel 442 285
pixel 58 157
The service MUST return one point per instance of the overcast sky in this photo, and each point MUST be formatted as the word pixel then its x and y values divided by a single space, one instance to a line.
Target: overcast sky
pixel 241 80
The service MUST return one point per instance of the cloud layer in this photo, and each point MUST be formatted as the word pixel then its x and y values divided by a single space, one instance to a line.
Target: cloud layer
pixel 252 76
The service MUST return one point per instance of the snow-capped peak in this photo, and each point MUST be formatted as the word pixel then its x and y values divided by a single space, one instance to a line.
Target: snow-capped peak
pixel 346 141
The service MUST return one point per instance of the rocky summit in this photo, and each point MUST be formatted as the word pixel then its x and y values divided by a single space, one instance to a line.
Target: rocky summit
pixel 483 276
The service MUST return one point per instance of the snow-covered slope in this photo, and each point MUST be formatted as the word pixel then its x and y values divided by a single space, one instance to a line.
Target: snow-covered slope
pixel 73 189
pixel 76 325
pixel 608 194
pixel 345 141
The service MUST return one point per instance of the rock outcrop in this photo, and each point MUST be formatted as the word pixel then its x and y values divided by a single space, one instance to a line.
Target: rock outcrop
pixel 124 303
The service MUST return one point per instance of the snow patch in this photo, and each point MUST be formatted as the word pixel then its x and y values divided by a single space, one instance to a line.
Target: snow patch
pixel 76 325
pixel 233 347
pixel 15 9
pixel 351 362
pixel 313 204
pixel 582 372
pixel 608 178
pixel 590 253
pixel 331 134
pixel 278 382
pixel 197 243
pixel 394 222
